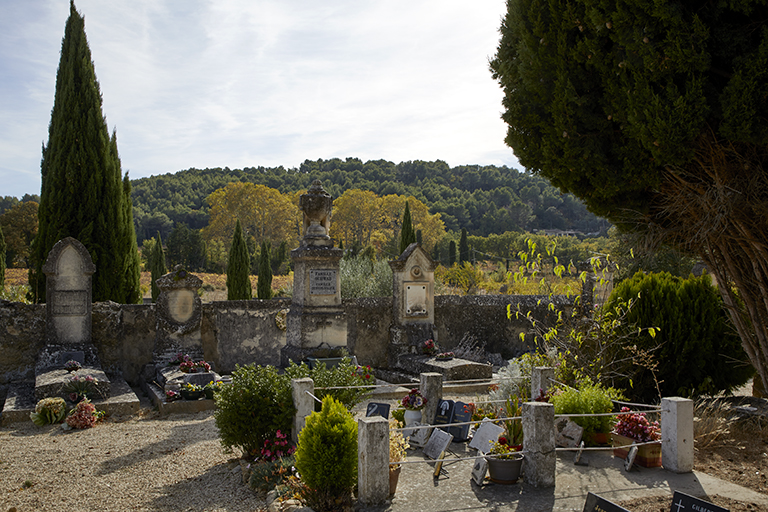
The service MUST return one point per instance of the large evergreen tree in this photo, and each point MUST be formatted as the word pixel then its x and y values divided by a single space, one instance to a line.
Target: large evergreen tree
pixel 463 247
pixel 407 235
pixel 656 115
pixel 157 266
pixel 264 284
pixel 238 270
pixel 83 193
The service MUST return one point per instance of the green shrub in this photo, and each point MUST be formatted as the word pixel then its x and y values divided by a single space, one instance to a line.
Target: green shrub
pixel 363 277
pixel 696 348
pixel 49 411
pixel 588 399
pixel 326 457
pixel 343 374
pixel 251 409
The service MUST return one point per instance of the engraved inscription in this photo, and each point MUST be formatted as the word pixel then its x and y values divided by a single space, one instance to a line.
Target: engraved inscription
pixel 322 282
pixel 70 302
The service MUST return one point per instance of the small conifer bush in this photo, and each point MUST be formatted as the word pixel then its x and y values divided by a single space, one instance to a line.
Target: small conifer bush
pixel 326 457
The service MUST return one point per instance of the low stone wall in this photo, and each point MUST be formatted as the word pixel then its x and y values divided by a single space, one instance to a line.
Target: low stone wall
pixel 244 332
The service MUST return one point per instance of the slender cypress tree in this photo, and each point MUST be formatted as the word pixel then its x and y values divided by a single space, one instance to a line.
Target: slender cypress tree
pixel 83 192
pixel 238 270
pixel 157 265
pixel 2 259
pixel 463 247
pixel 407 235
pixel 451 253
pixel 264 284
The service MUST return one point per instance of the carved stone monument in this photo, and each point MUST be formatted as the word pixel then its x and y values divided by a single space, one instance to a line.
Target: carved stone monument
pixel 179 314
pixel 316 318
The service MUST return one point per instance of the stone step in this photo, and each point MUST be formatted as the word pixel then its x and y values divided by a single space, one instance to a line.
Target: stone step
pixel 20 401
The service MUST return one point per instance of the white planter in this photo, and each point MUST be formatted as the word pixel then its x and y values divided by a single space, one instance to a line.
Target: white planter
pixel 412 417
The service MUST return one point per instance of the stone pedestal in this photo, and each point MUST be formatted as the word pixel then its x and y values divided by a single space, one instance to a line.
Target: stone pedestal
pixel 316 319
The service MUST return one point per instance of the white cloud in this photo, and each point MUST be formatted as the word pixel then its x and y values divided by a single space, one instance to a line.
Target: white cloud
pixel 245 83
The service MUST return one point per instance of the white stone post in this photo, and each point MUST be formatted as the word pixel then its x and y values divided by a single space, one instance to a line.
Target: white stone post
pixel 677 434
pixel 539 444
pixel 431 386
pixel 540 380
pixel 304 404
pixel 372 460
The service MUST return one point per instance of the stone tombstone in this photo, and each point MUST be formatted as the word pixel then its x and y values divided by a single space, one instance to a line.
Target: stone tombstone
pixel 377 409
pixel 316 318
pixel 413 279
pixel 461 414
pixel 68 287
pixel 179 314
pixel 443 413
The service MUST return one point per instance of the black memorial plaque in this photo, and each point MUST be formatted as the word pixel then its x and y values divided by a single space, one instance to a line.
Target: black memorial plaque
pixel 443 414
pixel 377 409
pixel 682 502
pixel 461 414
pixel 595 503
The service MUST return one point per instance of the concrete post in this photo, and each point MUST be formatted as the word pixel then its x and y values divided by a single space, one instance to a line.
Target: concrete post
pixel 304 404
pixel 540 380
pixel 677 434
pixel 539 444
pixel 431 386
pixel 372 460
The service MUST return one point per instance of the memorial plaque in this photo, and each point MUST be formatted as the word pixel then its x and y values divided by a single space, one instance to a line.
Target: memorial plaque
pixel 486 433
pixel 567 433
pixel 682 502
pixel 419 437
pixel 377 409
pixel 461 414
pixel 479 470
pixel 416 299
pixel 70 302
pixel 437 444
pixel 322 282
pixel 443 414
pixel 181 305
pixel 595 503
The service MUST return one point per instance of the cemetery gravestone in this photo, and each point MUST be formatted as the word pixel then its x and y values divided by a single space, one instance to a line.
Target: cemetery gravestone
pixel 443 414
pixel 682 502
pixel 461 414
pixel 595 503
pixel 377 409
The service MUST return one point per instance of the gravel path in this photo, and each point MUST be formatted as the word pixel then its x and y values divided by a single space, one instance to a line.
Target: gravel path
pixel 140 462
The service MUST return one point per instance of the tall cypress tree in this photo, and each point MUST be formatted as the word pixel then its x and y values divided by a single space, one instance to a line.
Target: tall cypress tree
pixel 463 247
pixel 157 266
pixel 2 259
pixel 264 284
pixel 238 270
pixel 83 192
pixel 407 235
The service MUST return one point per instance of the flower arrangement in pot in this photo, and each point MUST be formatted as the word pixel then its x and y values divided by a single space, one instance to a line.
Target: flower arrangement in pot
pixel 445 356
pixel 49 411
pixel 190 366
pixel 72 366
pixel 429 347
pixel 84 415
pixel 211 388
pixel 634 428
pixel 397 454
pixel 78 388
pixel 191 391
pixel 505 461
pixel 413 403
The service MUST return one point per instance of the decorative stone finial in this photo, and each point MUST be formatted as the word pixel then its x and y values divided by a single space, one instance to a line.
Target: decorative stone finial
pixel 316 205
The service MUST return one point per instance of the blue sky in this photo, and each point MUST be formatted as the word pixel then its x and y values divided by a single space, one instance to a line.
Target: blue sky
pixel 241 83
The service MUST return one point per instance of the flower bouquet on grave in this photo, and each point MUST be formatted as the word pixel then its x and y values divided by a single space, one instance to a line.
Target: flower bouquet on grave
pixel 445 356
pixel 172 395
pixel 178 359
pixel 72 366
pixel 635 428
pixel 414 401
pixel 191 391
pixel 429 347
pixel 78 388
pixel 49 411
pixel 84 415
pixel 212 387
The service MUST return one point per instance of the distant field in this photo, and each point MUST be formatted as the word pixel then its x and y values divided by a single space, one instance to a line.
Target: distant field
pixel 214 285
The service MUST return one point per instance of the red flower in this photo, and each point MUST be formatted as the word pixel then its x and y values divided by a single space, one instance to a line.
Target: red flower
pixel 502 440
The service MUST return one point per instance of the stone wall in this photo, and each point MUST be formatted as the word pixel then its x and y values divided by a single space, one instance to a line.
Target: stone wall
pixel 244 332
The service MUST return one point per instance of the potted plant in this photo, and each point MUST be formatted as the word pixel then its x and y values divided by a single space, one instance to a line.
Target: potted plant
pixel 413 403
pixel 397 447
pixel 72 366
pixel 210 388
pixel 635 428
pixel 191 391
pixel 588 399
pixel 504 461
pixel 78 388
pixel 445 356
pixel 429 347
pixel 172 395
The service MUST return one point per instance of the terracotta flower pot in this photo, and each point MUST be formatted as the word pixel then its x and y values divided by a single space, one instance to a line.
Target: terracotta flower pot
pixel 394 475
pixel 648 455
